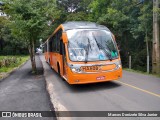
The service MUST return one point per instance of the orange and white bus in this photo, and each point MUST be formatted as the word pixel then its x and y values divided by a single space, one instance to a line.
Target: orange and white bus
pixel 83 52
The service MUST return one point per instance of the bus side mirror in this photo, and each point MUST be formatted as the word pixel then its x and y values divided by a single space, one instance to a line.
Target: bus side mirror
pixel 64 37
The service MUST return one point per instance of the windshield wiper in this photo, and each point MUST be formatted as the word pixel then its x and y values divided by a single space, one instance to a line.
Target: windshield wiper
pixel 101 47
pixel 87 50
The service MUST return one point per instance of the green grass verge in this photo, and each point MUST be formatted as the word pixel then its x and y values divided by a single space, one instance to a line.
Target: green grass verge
pixel 141 72
pixel 19 61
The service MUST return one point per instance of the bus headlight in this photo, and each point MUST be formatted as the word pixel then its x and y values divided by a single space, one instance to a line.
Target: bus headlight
pixel 77 70
pixel 118 64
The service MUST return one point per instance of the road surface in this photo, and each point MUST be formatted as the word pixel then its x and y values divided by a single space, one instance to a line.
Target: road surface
pixel 134 92
pixel 23 91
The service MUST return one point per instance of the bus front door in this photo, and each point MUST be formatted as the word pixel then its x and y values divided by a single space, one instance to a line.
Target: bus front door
pixel 64 60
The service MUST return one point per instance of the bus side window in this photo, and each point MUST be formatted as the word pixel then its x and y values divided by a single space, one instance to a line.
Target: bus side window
pixel 57 42
pixel 62 49
pixel 54 43
pixel 50 45
pixel 58 39
pixel 61 42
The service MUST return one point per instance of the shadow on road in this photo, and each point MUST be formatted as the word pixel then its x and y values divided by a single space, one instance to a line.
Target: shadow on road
pixel 93 86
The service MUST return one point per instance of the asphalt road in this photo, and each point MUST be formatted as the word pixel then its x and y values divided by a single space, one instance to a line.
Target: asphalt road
pixel 23 91
pixel 134 92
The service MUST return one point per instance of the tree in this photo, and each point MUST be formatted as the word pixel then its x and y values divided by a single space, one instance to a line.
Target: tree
pixel 156 38
pixel 73 10
pixel 28 19
pixel 131 22
pixel 79 16
pixel 69 5
pixel 145 20
pixel 2 26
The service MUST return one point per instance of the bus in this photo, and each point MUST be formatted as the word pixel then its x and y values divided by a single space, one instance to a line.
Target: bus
pixel 83 52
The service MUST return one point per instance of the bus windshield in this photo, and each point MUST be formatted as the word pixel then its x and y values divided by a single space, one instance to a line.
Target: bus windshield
pixel 91 45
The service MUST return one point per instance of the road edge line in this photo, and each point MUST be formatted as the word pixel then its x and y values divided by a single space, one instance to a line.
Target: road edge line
pixel 140 89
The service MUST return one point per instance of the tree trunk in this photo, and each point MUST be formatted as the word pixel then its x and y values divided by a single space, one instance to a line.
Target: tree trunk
pixel 147 47
pixel 32 56
pixel 156 40
pixel 147 43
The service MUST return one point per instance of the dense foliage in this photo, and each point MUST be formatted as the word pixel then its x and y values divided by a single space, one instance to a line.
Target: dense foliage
pixel 28 19
pixel 129 20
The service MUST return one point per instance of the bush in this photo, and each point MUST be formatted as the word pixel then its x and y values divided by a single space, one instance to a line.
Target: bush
pixel 9 61
pixel 139 61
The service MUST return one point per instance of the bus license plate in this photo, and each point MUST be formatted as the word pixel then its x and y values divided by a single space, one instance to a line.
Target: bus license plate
pixel 90 68
pixel 101 78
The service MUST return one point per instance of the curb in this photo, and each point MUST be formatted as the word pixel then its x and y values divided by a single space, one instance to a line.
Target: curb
pixel 46 84
pixel 13 70
pixel 53 98
pixel 55 103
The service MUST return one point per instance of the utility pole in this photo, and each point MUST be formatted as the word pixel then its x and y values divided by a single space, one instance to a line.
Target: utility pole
pixel 156 39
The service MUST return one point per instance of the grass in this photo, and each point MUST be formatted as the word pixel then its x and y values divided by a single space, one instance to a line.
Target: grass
pixel 137 71
pixel 12 63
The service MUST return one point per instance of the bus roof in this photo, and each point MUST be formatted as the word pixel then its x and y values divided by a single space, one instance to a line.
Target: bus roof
pixel 79 25
pixel 82 25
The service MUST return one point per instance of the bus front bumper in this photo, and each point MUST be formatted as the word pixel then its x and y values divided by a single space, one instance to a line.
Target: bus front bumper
pixel 78 78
